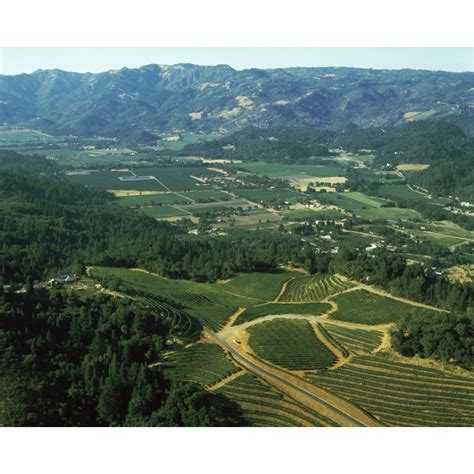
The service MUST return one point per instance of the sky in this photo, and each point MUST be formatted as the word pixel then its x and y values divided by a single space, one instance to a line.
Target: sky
pixel 19 60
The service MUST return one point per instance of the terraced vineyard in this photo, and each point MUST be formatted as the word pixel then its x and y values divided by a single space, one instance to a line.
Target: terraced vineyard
pixel 256 312
pixel 356 340
pixel 182 323
pixel 401 394
pixel 264 286
pixel 207 302
pixel 361 306
pixel 263 406
pixel 314 288
pixel 201 363
pixel 291 344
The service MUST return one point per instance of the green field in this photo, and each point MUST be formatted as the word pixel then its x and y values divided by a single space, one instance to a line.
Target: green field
pixel 152 199
pixel 209 303
pixel 302 214
pixel 402 191
pixel 361 306
pixel 177 178
pixel 313 288
pixel 207 195
pixel 277 170
pixel 256 312
pixel 291 344
pixel 388 213
pixel 162 212
pixel 10 136
pixel 401 394
pixel 267 196
pixel 205 364
pixel 110 180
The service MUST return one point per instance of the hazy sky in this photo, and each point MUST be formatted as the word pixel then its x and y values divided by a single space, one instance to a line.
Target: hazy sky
pixel 17 60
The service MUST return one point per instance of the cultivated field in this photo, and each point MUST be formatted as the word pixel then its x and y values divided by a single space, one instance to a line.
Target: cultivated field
pixel 313 288
pixel 262 405
pixel 364 307
pixel 205 364
pixel 291 344
pixel 402 394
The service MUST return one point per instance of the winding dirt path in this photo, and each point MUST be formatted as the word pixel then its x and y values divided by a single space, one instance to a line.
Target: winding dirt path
pixel 283 289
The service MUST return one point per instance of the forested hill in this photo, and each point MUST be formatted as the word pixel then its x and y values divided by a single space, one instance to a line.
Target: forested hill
pixel 154 98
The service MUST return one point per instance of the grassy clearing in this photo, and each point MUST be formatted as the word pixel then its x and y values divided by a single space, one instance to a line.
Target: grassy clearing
pixel 205 364
pixel 291 344
pixel 259 311
pixel 361 306
pixel 209 303
pixel 313 288
pixel 400 394
pixel 264 286
pixel 356 340
pixel 263 406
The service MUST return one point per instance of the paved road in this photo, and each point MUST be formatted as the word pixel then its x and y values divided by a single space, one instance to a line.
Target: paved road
pixel 257 368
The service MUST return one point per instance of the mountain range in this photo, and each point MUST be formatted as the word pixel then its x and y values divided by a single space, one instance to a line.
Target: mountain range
pixel 159 98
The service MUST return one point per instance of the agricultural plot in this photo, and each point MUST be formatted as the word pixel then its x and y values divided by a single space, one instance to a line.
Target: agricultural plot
pixel 318 214
pixel 313 288
pixel 263 406
pixel 402 191
pixel 178 178
pixel 152 199
pixel 10 136
pixel 277 170
pixel 209 206
pixel 207 195
pixel 162 212
pixel 183 325
pixel 205 364
pixel 291 344
pixel 402 394
pixel 356 340
pixel 388 213
pixel 269 196
pixel 364 307
pixel 209 303
pixel 111 180
pixel 348 201
pixel 264 286
pixel 259 311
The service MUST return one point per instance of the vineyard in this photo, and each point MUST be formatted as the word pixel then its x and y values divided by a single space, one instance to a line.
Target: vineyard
pixel 182 323
pixel 256 312
pixel 356 340
pixel 361 306
pixel 291 344
pixel 207 302
pixel 401 394
pixel 264 286
pixel 201 363
pixel 263 406
pixel 313 288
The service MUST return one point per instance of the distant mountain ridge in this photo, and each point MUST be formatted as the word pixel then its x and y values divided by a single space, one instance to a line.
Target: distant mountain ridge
pixel 156 98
